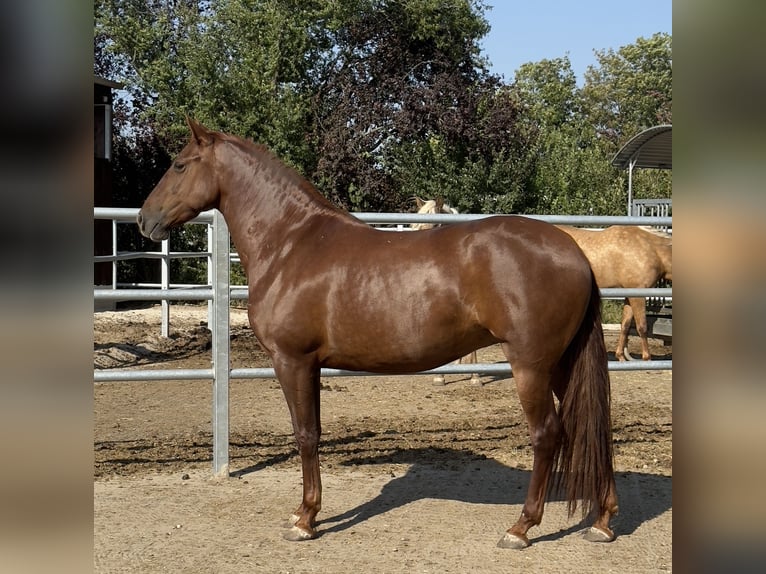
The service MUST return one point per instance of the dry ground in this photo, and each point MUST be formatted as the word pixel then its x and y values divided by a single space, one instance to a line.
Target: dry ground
pixel 417 478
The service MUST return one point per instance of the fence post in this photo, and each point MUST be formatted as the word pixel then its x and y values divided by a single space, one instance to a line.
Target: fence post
pixel 165 284
pixel 114 254
pixel 220 331
pixel 210 240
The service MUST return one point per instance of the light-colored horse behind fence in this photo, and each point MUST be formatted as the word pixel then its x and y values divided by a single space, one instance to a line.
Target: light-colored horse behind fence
pixel 431 207
pixel 627 256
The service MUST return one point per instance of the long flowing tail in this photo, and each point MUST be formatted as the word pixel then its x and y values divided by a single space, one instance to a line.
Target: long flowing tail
pixel 583 465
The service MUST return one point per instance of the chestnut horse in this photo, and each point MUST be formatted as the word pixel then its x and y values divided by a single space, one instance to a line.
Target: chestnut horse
pixel 627 256
pixel 327 290
pixel 438 206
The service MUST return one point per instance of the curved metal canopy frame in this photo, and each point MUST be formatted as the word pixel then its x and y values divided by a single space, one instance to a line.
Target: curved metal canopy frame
pixel 652 149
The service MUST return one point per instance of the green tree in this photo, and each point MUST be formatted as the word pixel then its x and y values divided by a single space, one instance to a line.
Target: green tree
pixel 403 76
pixel 379 100
pixel 332 87
pixel 571 172
pixel 580 130
pixel 237 65
pixel 549 90
pixel 484 168
pixel 631 89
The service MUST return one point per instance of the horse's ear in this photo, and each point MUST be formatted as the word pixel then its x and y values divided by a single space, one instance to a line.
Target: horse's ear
pixel 419 202
pixel 439 206
pixel 199 132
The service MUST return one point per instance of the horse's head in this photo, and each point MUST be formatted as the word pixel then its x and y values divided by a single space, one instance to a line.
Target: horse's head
pixel 429 207
pixel 188 187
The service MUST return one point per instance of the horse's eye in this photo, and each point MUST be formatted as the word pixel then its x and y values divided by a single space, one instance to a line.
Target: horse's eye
pixel 179 166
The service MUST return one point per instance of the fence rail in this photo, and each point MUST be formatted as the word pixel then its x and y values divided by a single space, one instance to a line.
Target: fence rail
pixel 220 293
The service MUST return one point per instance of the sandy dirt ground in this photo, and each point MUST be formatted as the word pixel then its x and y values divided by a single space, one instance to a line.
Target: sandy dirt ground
pixel 417 478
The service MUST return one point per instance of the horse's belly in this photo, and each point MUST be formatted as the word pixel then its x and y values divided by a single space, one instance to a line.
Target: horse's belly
pixel 400 350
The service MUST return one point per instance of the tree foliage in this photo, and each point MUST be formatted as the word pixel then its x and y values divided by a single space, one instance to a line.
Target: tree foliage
pixel 631 88
pixel 582 128
pixel 379 100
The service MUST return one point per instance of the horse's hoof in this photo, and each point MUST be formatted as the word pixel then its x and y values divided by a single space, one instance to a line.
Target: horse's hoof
pixel 439 381
pixel 513 541
pixel 296 534
pixel 476 382
pixel 594 534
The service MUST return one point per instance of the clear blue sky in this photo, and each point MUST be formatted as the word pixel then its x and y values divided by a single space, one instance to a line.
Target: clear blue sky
pixel 532 30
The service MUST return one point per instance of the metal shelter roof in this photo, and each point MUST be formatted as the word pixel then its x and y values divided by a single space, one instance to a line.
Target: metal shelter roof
pixel 652 148
pixel 101 81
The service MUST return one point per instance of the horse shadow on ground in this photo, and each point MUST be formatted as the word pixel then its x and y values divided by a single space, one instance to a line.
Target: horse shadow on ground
pixel 464 476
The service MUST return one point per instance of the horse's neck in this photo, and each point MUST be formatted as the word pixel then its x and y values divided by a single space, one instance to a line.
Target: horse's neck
pixel 265 203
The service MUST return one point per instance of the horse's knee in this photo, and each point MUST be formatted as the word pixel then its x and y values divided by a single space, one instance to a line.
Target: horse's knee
pixel 307 441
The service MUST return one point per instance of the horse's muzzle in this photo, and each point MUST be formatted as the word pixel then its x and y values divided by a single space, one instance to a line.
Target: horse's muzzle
pixel 151 227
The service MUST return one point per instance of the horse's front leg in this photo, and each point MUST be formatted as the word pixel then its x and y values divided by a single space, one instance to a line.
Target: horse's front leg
pixel 467 359
pixel 300 384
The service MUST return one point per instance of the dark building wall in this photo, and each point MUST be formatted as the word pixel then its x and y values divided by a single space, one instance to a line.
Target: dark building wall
pixel 102 180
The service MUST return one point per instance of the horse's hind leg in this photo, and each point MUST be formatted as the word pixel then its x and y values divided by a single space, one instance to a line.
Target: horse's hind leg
pixel 639 312
pixel 600 531
pixel 300 385
pixel 536 397
pixel 622 343
pixel 635 307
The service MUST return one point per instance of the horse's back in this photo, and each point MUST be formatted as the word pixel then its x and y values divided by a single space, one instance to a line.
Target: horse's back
pixel 499 256
pixel 516 246
pixel 625 255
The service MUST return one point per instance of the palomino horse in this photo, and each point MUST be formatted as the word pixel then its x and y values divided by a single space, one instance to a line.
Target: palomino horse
pixel 327 290
pixel 627 256
pixel 430 206
pixel 438 206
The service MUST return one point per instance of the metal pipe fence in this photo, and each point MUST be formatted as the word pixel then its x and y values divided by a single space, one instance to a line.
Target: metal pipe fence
pixel 220 293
